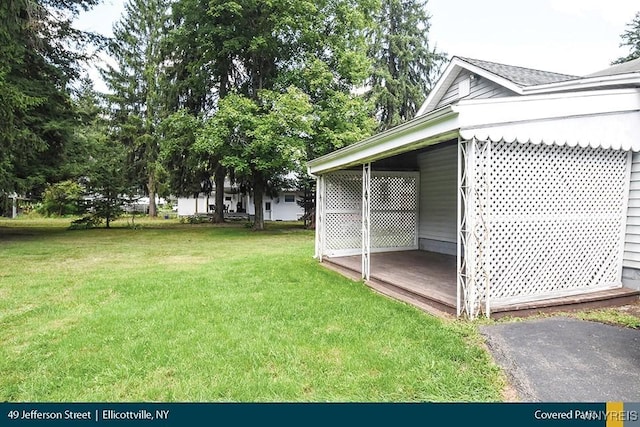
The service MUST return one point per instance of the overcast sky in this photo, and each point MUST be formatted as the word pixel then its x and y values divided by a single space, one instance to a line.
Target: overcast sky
pixel 575 37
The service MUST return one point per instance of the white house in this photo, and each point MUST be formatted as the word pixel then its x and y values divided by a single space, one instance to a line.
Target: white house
pixel 512 189
pixel 283 207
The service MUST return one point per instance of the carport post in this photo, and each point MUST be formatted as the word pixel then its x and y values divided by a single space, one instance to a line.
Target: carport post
pixel 319 225
pixel 366 220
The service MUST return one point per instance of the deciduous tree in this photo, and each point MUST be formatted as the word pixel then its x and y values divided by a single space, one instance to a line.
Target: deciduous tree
pixel 259 139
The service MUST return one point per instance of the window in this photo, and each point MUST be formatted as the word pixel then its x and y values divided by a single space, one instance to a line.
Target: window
pixel 227 198
pixel 267 206
pixel 289 198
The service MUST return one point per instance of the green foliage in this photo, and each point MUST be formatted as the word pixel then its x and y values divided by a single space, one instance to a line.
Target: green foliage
pixel 404 63
pixel 340 117
pixel 86 222
pixel 186 167
pixel 259 139
pixel 137 87
pixel 108 185
pixel 39 54
pixel 62 198
pixel 631 39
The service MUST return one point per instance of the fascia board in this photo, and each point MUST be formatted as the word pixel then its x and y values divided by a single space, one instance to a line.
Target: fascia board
pixel 537 107
pixel 422 131
pixel 587 83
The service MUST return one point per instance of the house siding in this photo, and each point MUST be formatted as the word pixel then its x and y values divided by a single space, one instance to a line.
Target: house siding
pixel 480 88
pixel 438 200
pixel 281 210
pixel 631 260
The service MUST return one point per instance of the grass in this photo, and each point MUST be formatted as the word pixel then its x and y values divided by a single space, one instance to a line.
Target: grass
pixel 611 316
pixel 180 312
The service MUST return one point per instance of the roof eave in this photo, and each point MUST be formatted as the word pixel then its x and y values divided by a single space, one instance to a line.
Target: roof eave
pixel 422 131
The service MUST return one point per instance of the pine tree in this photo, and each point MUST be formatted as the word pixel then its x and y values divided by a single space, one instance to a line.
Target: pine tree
pixel 404 62
pixel 631 38
pixel 39 58
pixel 138 103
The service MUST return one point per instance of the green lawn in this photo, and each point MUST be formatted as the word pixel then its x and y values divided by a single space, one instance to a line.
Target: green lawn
pixel 180 312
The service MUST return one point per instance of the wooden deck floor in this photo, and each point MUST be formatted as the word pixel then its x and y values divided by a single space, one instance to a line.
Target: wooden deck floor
pixel 428 280
pixel 425 274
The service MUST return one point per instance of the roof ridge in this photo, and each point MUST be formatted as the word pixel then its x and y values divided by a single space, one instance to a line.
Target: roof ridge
pixel 472 60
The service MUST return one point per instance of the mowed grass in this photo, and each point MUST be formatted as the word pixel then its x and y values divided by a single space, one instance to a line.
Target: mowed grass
pixel 173 312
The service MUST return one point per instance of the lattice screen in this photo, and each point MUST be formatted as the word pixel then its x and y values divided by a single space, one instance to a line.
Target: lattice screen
pixel 343 212
pixel 394 211
pixel 554 216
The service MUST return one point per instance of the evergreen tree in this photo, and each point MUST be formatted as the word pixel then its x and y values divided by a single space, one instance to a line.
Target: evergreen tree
pixel 39 57
pixel 631 38
pixel 404 63
pixel 187 169
pixel 99 161
pixel 136 84
pixel 200 71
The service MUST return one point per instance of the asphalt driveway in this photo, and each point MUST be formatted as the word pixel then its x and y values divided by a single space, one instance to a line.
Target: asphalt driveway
pixel 561 359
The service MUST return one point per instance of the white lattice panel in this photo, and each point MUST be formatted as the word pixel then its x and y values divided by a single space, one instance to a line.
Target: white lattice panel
pixel 394 211
pixel 554 216
pixel 343 212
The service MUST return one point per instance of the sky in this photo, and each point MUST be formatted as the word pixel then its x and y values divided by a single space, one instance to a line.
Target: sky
pixel 576 37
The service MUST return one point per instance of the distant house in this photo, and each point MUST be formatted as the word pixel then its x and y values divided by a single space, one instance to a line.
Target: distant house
pixel 283 207
pixel 512 189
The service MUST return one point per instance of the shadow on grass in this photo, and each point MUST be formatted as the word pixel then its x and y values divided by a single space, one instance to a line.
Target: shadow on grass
pixel 25 229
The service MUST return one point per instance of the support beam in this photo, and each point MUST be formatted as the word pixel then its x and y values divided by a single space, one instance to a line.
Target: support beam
pixel 366 220
pixel 461 236
pixel 320 217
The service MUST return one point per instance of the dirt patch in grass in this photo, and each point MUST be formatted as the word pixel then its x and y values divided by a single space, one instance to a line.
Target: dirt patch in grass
pixel 631 309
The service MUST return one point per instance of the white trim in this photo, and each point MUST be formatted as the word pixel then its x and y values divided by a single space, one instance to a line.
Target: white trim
pixel 456 65
pixel 459 226
pixel 449 75
pixel 623 232
pixel 487 237
pixel 605 118
pixel 541 298
pixel 366 221
pixel 477 112
pixel 430 129
pixel 586 83
pixel 471 245
pixel 320 209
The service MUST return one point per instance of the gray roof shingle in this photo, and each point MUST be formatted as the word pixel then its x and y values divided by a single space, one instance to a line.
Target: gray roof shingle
pixel 632 66
pixel 520 75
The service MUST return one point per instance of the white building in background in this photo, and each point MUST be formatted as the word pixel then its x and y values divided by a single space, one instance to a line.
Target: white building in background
pixel 283 207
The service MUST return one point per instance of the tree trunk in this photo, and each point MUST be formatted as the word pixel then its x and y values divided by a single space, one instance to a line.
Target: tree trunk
pixel 219 178
pixel 258 191
pixel 151 186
